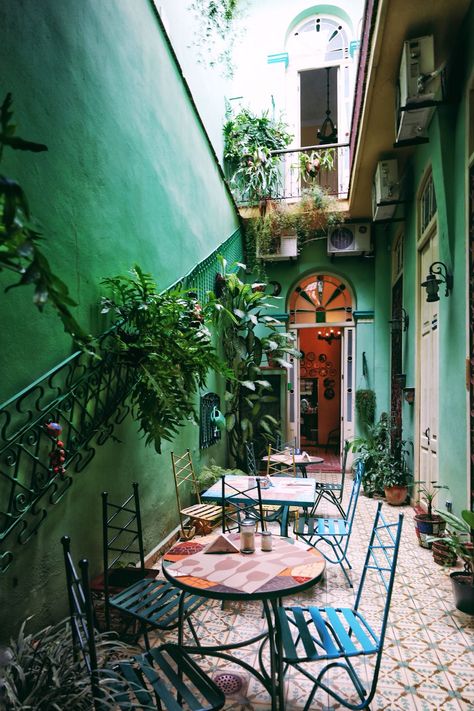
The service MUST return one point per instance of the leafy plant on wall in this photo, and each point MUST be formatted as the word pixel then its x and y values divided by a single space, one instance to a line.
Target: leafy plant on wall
pixel 20 234
pixel 248 334
pixel 255 174
pixel 216 32
pixel 164 338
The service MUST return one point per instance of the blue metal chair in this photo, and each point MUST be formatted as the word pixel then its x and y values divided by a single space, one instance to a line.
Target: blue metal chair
pixel 333 533
pixel 162 678
pixel 333 491
pixel 338 634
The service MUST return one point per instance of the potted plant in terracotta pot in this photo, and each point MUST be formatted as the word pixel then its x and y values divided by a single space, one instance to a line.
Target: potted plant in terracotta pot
pixel 394 473
pixel 429 524
pixel 459 537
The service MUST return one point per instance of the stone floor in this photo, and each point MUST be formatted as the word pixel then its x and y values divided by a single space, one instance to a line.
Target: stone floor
pixel 428 660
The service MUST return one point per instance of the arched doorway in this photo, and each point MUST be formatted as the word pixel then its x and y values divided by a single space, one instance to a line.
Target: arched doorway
pixel 321 396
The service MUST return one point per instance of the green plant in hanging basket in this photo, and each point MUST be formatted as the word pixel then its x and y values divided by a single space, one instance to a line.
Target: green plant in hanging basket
pixel 365 406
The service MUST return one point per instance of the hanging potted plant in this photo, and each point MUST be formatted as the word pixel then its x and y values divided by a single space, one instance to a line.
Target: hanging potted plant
pixel 428 524
pixel 459 537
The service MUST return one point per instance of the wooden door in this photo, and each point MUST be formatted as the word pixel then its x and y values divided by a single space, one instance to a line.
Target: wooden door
pixel 428 372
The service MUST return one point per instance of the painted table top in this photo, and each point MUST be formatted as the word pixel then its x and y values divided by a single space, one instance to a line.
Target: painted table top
pixel 285 490
pixel 300 459
pixel 290 567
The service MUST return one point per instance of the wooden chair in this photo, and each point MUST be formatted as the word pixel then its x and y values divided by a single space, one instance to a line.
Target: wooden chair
pixel 203 516
pixel 135 592
pixel 333 533
pixel 162 678
pixel 280 462
pixel 334 636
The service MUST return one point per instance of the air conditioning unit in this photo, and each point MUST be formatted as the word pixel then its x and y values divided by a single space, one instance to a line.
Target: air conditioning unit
pixel 349 240
pixel 418 83
pixel 385 190
pixel 285 248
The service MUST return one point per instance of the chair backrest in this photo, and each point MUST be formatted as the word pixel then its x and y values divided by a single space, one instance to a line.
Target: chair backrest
pixel 381 562
pixel 122 538
pixel 250 458
pixel 184 476
pixel 345 453
pixel 239 502
pixel 281 444
pixel 80 612
pixel 356 484
pixel 280 462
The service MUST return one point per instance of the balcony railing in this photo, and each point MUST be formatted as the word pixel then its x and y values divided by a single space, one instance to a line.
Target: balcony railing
pixel 305 167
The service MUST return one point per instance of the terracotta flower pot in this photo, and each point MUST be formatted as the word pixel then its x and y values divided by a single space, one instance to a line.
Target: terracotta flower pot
pixel 396 495
pixel 443 554
pixel 427 526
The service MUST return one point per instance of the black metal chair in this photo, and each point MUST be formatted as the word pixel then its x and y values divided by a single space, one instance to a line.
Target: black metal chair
pixel 163 678
pixel 334 636
pixel 252 469
pixel 241 503
pixel 135 592
pixel 333 533
pixel 333 491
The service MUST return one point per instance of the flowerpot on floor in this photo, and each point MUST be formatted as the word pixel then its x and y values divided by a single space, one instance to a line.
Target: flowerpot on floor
pixel 427 526
pixel 463 589
pixel 443 554
pixel 396 495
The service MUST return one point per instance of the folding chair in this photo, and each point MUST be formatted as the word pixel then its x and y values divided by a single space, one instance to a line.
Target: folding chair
pixel 238 504
pixel 163 678
pixel 203 516
pixel 336 635
pixel 136 593
pixel 251 461
pixel 334 533
pixel 333 491
pixel 280 462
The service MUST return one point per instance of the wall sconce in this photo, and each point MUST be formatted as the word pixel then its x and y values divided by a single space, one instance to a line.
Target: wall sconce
pixel 431 283
pixel 400 324
pixel 329 336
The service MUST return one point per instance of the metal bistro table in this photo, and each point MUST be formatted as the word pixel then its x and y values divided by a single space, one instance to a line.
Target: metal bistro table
pixel 301 460
pixel 284 491
pixel 267 576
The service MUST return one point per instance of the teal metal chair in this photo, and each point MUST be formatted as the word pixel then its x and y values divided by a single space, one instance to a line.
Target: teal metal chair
pixel 238 504
pixel 162 678
pixel 334 636
pixel 333 491
pixel 331 536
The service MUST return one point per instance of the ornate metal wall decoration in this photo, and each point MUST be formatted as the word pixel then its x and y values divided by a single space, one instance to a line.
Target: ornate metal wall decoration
pixel 209 433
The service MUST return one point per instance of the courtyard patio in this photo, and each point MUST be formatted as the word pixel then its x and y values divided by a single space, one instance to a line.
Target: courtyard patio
pixel 428 660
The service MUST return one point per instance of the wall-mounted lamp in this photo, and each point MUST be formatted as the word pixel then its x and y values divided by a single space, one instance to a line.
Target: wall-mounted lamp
pixel 432 283
pixel 329 335
pixel 409 395
pixel 401 323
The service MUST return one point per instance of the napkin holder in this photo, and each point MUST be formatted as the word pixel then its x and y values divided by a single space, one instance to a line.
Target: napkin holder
pixel 221 544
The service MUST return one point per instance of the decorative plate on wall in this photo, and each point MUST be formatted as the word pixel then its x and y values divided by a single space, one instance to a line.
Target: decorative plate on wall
pixel 323 371
pixel 310 356
pixel 313 373
pixel 322 357
pixel 303 372
pixel 329 393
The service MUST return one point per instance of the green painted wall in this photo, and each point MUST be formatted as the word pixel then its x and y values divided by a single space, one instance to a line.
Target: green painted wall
pixel 129 177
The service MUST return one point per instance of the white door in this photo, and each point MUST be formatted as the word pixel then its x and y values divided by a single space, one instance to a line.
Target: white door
pixel 428 373
pixel 293 399
pixel 347 384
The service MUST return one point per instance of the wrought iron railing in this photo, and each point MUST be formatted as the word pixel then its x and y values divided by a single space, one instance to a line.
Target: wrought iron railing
pixel 303 168
pixel 87 396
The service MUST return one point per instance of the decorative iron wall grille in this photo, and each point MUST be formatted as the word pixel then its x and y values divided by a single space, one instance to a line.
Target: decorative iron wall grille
pixel 88 397
pixel 209 433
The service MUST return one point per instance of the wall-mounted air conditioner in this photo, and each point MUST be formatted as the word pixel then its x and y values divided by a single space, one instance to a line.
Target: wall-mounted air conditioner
pixel 385 189
pixel 349 240
pixel 283 248
pixel 419 83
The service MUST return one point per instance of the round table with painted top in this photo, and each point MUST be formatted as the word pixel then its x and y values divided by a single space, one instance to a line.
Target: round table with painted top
pixel 289 568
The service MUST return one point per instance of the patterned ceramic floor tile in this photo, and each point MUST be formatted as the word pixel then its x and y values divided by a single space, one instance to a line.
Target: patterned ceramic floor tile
pixel 428 661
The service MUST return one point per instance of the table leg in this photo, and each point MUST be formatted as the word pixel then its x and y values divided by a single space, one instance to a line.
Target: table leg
pixel 284 521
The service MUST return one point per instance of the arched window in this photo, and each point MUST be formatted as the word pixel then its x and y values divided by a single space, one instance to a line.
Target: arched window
pixel 320 298
pixel 324 37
